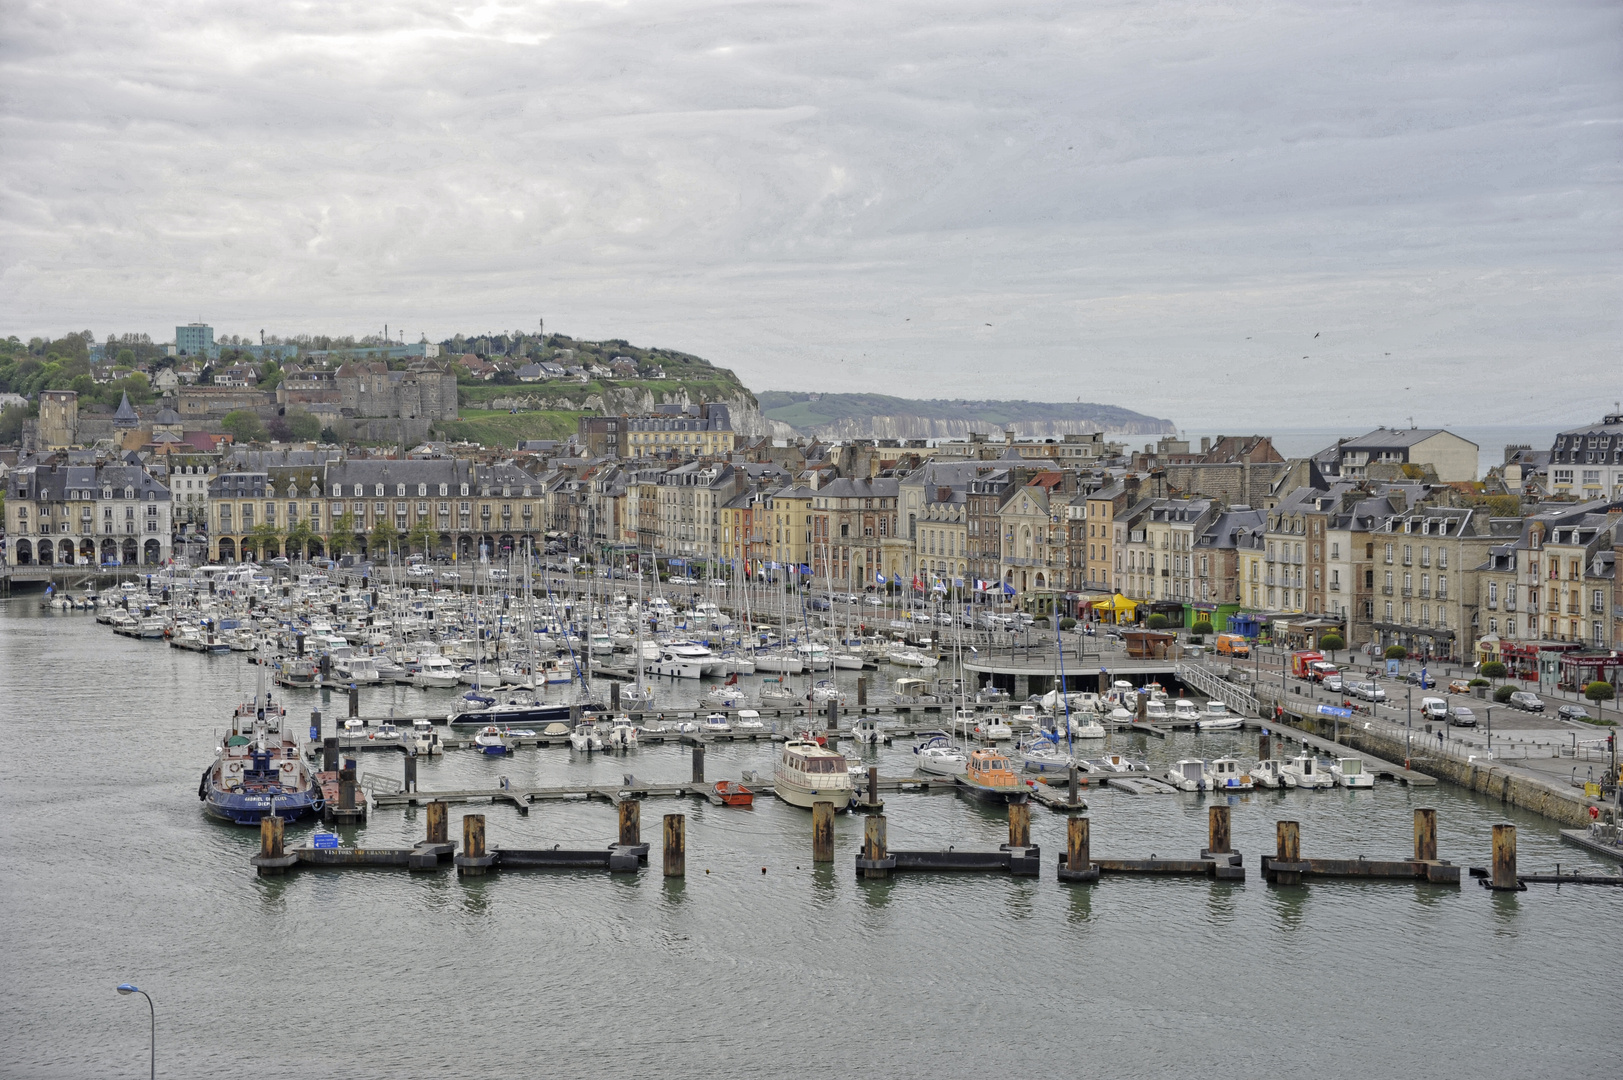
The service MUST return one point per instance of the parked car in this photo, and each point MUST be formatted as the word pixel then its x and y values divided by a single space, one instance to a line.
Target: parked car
pixel 420 571
pixel 1367 690
pixel 1335 684
pixel 1524 700
pixel 1460 716
pixel 873 601
pixel 1573 712
pixel 1433 708
pixel 497 574
pixel 1459 686
pixel 818 603
pixel 450 575
pixel 1421 679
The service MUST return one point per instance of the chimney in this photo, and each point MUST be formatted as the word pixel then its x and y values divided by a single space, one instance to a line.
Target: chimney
pixel 1205 444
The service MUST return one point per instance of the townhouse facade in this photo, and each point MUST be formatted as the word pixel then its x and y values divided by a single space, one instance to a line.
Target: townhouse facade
pixel 87 515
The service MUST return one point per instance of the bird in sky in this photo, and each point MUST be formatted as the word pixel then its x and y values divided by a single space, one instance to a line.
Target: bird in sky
pixel 1315 335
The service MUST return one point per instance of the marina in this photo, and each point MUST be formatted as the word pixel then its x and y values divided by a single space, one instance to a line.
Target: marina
pixel 550 819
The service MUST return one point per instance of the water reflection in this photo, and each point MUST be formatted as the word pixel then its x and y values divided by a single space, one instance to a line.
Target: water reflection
pixel 1289 905
pixel 1080 908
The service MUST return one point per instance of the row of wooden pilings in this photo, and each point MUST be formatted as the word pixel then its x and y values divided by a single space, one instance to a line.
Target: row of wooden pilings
pixel 876 860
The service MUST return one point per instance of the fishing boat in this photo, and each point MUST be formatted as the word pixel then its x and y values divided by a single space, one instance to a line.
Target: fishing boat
pixel 748 720
pixel 258 771
pixel 806 773
pixel 585 738
pixel 866 732
pixel 386 732
pixel 1086 726
pixel 732 793
pixel 424 739
pixel 298 672
pixel 1307 772
pixel 939 756
pixel 1223 774
pixel 1185 711
pixel 990 776
pixel 716 724
pixel 1188 774
pixel 622 735
pixel 1270 773
pixel 996 729
pixel 1348 772
pixel 1156 710
pixel 490 740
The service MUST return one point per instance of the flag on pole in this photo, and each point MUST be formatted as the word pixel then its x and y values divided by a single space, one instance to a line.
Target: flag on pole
pixel 879 578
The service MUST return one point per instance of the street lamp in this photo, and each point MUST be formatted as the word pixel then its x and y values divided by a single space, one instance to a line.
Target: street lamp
pixel 130 988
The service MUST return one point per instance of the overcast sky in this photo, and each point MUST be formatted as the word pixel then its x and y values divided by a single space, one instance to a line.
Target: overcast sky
pixel 1157 205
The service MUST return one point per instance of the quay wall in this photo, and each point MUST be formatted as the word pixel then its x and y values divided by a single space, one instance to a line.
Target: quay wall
pixel 1512 786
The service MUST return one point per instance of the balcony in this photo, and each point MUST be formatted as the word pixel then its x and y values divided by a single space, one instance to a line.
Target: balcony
pixel 1335 586
pixel 1407 592
pixel 1425 593
pixel 1493 605
pixel 1386 590
pixel 1510 605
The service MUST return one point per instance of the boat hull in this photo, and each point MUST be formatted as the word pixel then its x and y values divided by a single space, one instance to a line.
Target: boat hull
pixel 1017 794
pixel 252 809
pixel 795 795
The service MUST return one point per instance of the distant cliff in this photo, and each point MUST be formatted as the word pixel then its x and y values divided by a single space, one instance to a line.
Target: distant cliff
pixel 878 416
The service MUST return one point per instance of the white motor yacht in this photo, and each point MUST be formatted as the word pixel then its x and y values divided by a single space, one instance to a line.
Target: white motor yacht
pixel 683 660
pixel 1185 710
pixel 865 732
pixel 1085 725
pixel 1218 718
pixel 622 735
pixel 1044 756
pixel 424 740
pixel 1155 711
pixel 938 756
pixel 434 671
pixel 716 724
pixel 748 720
pixel 585 738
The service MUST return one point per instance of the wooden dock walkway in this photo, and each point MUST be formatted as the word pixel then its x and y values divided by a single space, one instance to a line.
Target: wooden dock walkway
pixel 1376 765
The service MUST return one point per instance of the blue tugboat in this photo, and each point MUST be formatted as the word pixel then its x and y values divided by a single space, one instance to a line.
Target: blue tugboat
pixel 259 770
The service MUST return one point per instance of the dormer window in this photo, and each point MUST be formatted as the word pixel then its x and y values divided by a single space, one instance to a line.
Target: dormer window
pixel 129 493
pixel 464 489
pixel 422 490
pixel 378 489
pixel 445 489
pixel 400 491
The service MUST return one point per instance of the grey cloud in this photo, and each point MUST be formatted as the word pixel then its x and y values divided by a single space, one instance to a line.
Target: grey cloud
pixel 1128 192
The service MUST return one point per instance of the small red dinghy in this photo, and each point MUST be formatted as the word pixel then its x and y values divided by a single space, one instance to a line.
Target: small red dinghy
pixel 734 794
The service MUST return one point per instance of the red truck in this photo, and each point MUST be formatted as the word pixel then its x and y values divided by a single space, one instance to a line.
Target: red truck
pixel 1311 666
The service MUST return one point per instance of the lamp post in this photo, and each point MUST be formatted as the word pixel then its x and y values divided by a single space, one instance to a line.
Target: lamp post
pixel 130 988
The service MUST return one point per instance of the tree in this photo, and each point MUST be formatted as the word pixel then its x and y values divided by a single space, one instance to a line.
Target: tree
pixel 1502 695
pixel 1331 642
pixel 264 536
pixel 422 536
pixel 302 427
pixel 243 426
pixel 1599 691
pixel 328 435
pixel 1396 652
pixel 342 537
pixel 381 539
pixel 299 538
pixel 12 419
pixel 1493 669
pixel 1158 622
pixel 1201 627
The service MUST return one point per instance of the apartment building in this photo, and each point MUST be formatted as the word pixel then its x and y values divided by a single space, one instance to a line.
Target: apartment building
pixel 85 515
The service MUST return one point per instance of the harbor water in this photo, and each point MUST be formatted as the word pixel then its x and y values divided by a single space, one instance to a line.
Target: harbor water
pixel 757 963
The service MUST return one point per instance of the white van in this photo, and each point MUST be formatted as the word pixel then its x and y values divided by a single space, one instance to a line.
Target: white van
pixel 1433 708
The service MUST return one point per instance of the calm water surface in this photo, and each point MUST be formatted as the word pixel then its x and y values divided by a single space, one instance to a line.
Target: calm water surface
pixel 112 873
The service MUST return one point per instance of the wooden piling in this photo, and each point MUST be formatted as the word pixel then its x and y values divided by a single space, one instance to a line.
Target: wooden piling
pixel 1077 843
pixel 862 690
pixel 437 832
pixel 698 763
pixel 315 724
pixel 873 785
pixel 1104 683
pixel 822 832
pixel 1265 749
pixel 833 714
pixel 473 844
pixel 347 787
pixel 329 754
pixel 1504 858
pixel 1425 835
pixel 1143 708
pixel 1217 830
pixel 411 770
pixel 1020 824
pixel 354 700
pixel 1288 841
pixel 874 846
pixel 676 845
pixel 630 823
pixel 270 836
pixel 1076 783
pixel 614 696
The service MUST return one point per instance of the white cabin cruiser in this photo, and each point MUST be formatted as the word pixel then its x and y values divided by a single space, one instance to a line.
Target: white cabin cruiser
pixel 1218 718
pixel 684 660
pixel 1307 772
pixel 1349 772
pixel 748 720
pixel 1270 773
pixel 1188 774
pixel 938 756
pixel 1185 710
pixel 1223 774
pixel 434 670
